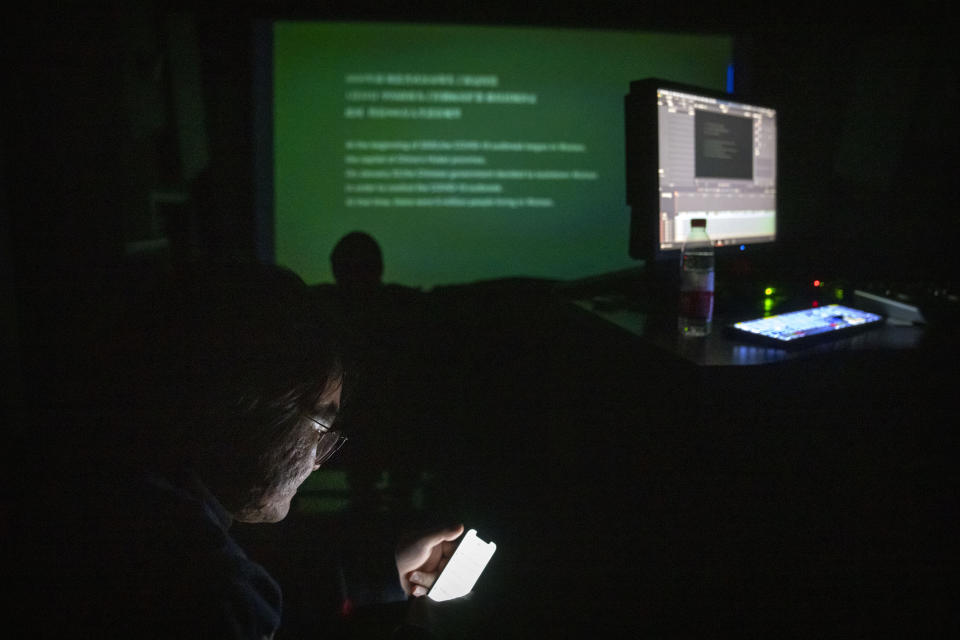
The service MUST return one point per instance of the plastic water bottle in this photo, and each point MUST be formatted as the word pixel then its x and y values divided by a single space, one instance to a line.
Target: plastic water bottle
pixel 696 281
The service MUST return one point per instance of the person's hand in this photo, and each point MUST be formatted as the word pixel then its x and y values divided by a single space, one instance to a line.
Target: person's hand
pixel 421 557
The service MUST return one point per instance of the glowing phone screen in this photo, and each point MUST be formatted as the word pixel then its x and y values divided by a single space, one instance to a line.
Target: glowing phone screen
pixel 463 569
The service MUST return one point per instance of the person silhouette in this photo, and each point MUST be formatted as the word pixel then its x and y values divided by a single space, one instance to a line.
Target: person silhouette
pixel 382 323
pixel 357 263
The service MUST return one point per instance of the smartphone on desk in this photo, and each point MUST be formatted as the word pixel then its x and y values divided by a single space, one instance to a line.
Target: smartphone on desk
pixel 463 569
pixel 805 327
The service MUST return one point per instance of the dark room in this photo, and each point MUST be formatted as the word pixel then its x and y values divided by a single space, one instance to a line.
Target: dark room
pixel 502 320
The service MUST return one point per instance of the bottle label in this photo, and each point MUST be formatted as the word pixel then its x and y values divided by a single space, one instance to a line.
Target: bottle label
pixel 696 279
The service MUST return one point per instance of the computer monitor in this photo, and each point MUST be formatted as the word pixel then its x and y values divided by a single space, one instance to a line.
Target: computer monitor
pixel 696 153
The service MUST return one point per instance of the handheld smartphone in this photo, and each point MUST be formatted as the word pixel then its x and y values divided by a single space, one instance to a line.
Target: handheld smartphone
pixel 464 568
pixel 801 328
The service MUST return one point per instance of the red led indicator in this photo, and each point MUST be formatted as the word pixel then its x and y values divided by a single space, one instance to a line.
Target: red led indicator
pixel 817 283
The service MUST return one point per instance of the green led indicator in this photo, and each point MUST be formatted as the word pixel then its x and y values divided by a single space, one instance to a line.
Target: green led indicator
pixel 769 291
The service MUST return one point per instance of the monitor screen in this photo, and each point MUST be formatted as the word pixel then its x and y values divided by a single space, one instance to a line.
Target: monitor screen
pixel 699 154
pixel 467 152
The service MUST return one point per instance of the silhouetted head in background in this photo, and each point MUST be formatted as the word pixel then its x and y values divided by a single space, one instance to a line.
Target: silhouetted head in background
pixel 357 262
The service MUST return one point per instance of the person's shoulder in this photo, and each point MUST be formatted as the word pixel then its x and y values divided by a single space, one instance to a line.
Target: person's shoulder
pixel 193 574
pixel 403 293
pixel 323 288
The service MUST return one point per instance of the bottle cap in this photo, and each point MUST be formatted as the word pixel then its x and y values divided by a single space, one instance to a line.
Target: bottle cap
pixel 698 222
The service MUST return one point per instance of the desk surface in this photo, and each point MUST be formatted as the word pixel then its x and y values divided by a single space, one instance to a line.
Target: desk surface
pixel 718 349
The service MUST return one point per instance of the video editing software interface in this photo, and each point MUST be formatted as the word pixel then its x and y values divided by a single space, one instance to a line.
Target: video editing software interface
pixel 717 160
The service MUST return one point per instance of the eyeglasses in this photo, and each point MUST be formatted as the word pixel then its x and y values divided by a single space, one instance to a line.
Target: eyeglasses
pixel 329 442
